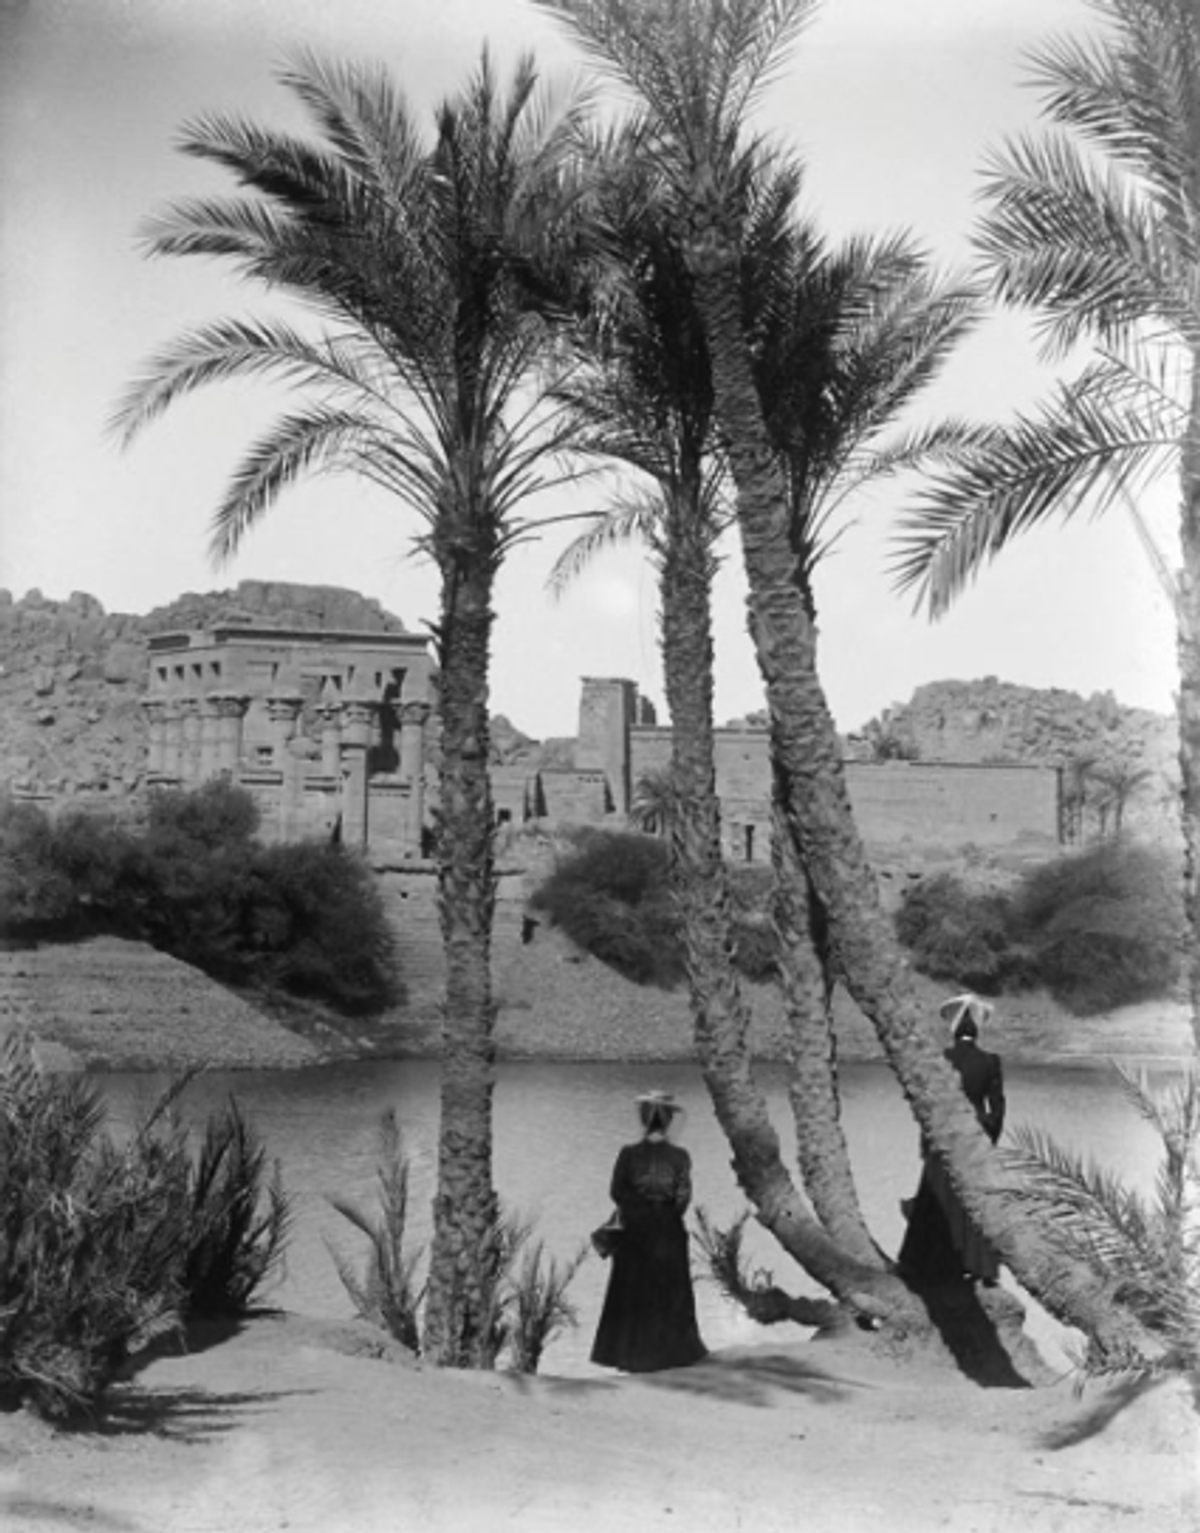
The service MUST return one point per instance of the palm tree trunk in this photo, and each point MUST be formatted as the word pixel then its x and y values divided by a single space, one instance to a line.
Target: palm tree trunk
pixel 459 1308
pixel 720 1016
pixel 807 758
pixel 1188 645
pixel 812 1056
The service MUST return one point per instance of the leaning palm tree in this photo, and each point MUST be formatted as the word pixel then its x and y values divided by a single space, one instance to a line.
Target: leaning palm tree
pixel 696 66
pixel 642 393
pixel 417 252
pixel 1095 225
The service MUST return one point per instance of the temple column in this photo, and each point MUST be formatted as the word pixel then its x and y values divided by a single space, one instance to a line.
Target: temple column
pixel 412 768
pixel 210 740
pixel 189 740
pixel 355 747
pixel 155 709
pixel 172 740
pixel 283 709
pixel 230 710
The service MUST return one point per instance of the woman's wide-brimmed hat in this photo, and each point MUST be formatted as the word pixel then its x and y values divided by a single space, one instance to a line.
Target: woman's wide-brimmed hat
pixel 968 1004
pixel 664 1102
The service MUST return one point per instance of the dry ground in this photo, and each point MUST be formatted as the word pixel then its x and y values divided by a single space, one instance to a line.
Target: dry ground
pixel 289 1425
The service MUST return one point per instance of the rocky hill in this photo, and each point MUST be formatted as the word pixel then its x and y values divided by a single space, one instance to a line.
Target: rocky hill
pixel 1115 759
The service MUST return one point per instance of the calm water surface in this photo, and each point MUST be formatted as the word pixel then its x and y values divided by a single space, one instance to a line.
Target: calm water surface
pixel 557 1130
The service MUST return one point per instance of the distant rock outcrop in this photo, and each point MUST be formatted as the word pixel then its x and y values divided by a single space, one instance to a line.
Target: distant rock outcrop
pixel 1099 743
pixel 72 676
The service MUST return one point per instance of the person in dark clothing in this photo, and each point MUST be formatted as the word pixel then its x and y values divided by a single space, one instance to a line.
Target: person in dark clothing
pixel 648 1321
pixel 941 1244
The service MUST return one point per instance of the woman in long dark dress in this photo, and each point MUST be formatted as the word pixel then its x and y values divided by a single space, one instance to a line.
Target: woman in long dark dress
pixel 649 1317
pixel 942 1244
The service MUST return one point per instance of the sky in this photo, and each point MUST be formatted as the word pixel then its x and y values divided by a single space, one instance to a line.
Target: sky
pixel 893 107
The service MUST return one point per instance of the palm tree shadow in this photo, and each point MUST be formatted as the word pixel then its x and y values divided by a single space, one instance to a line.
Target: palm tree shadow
pixel 971 1335
pixel 1117 1398
pixel 181 1415
pixel 754 1378
pixel 30 1512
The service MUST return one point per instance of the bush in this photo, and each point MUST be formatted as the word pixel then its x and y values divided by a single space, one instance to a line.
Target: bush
pixel 237 1220
pixel 957 935
pixel 1097 929
pixel 306 919
pixel 35 896
pixel 104 1246
pixel 318 927
pixel 1104 926
pixel 611 896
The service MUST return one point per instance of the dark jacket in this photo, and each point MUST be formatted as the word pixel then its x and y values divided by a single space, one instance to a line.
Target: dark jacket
pixel 983 1081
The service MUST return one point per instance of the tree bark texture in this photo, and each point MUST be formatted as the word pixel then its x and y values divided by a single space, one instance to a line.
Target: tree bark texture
pixel 1188 647
pixel 459 1308
pixel 720 1016
pixel 807 756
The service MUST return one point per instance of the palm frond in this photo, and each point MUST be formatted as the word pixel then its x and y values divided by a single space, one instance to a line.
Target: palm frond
pixel 1082 246
pixel 296 444
pixel 630 516
pixel 1096 438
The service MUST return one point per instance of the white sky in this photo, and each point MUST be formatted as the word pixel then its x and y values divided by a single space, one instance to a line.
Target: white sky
pixel 893 106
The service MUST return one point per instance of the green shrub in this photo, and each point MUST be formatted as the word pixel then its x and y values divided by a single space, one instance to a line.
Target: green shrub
pixel 611 896
pixel 1104 926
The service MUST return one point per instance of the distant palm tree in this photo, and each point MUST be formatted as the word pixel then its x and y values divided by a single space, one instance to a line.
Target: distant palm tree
pixel 1096 226
pixel 426 259
pixel 1120 782
pixel 696 66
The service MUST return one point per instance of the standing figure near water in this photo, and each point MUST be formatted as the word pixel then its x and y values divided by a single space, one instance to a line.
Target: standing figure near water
pixel 942 1245
pixel 649 1317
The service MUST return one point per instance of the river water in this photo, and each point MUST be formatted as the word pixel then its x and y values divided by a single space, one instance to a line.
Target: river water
pixel 557 1129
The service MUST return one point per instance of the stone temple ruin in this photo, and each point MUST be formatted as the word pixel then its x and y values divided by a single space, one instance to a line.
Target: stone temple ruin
pixel 334 735
pixel 326 730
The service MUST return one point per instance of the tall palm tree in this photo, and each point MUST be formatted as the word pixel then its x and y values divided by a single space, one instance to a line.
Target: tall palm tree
pixel 1095 225
pixel 417 252
pixel 696 66
pixel 642 392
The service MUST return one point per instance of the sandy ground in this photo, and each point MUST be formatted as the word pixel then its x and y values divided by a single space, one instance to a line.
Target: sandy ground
pixel 283 1427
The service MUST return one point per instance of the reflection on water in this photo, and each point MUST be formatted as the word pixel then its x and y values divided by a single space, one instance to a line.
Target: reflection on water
pixel 557 1130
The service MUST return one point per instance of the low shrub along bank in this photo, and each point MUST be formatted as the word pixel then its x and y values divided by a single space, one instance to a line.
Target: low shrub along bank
pixel 306 918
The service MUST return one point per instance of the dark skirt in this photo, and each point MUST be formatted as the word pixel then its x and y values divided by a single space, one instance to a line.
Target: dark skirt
pixel 649 1317
pixel 941 1244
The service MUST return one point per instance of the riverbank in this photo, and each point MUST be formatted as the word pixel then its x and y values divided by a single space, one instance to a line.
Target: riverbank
pixel 105 1003
pixel 291 1423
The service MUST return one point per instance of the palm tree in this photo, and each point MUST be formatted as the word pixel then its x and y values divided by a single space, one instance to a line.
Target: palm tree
pixel 417 252
pixel 696 66
pixel 1095 225
pixel 1120 781
pixel 642 392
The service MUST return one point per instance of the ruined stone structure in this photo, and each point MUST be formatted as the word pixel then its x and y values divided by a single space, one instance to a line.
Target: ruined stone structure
pixel 327 730
pixel 896 803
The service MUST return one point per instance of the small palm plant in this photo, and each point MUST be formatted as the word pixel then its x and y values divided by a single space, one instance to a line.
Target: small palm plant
pixel 523 1308
pixel 538 1305
pixel 1149 1247
pixel 388 1293
pixel 238 1219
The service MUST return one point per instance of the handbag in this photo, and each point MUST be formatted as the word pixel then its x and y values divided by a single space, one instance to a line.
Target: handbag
pixel 606 1237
